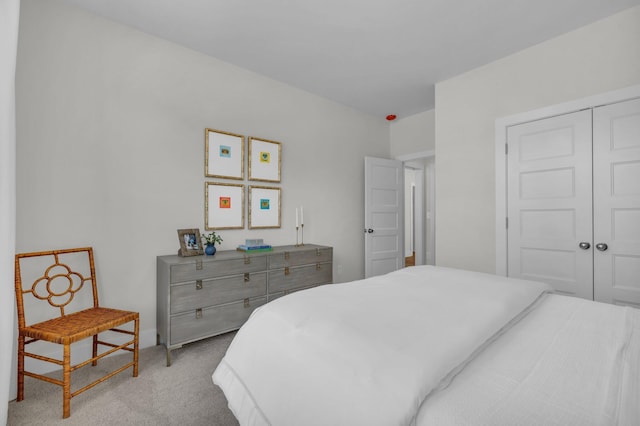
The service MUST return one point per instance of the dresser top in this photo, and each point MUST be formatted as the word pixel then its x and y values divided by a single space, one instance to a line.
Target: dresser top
pixel 237 254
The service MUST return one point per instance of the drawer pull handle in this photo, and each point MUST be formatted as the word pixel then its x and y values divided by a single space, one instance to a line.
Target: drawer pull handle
pixel 318 253
pixel 199 285
pixel 318 266
pixel 198 313
pixel 247 260
pixel 246 303
pixel 286 255
pixel 287 291
pixel 247 277
pixel 286 270
pixel 198 264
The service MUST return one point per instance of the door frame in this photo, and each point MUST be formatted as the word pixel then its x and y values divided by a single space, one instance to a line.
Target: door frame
pixel 501 126
pixel 417 214
pixel 425 216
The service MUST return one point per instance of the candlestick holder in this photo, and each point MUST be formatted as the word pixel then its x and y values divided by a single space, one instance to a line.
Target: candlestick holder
pixel 301 229
pixel 302 234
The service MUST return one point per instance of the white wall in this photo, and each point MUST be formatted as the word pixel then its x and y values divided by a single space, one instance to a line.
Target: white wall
pixel 411 138
pixel 413 134
pixel 110 135
pixel 9 12
pixel 597 58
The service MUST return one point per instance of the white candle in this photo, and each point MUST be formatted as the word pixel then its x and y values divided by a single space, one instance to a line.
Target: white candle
pixel 301 216
pixel 296 217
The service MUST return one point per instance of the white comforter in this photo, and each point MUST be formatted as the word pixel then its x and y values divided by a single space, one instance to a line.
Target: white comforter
pixel 569 362
pixel 367 352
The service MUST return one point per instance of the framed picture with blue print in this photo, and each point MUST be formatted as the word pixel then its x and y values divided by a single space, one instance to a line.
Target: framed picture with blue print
pixel 264 207
pixel 224 155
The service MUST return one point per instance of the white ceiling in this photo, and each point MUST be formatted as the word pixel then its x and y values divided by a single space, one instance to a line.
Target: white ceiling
pixel 379 57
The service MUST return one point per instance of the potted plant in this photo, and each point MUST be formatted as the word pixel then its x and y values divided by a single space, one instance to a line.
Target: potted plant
pixel 210 241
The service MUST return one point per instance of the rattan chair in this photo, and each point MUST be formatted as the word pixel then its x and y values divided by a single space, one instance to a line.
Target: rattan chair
pixel 63 290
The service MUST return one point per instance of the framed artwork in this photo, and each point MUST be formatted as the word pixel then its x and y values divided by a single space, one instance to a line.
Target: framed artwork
pixel 190 242
pixel 224 155
pixel 224 206
pixel 264 207
pixel 264 160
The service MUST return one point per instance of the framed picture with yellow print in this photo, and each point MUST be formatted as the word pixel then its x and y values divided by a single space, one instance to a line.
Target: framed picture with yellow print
pixel 224 206
pixel 264 160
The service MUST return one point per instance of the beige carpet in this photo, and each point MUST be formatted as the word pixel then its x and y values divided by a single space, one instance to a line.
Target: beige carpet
pixel 182 394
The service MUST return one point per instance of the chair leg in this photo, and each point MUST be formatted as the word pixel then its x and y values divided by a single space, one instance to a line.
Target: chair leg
pixel 95 350
pixel 135 346
pixel 66 379
pixel 20 368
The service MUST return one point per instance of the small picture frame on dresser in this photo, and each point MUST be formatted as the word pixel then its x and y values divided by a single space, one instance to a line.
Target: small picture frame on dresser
pixel 190 242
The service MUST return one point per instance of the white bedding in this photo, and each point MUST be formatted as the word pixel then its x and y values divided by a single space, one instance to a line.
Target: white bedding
pixel 367 352
pixel 568 362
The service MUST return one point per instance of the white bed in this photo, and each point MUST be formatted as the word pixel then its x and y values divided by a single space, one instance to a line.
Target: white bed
pixel 434 346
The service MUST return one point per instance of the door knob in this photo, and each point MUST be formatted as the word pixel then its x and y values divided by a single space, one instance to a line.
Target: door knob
pixel 602 246
pixel 584 245
pixel 368 230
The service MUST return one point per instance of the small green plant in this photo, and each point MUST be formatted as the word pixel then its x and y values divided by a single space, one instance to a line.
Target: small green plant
pixel 211 238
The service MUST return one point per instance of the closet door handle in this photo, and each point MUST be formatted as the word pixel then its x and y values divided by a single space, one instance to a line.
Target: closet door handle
pixel 584 245
pixel 602 246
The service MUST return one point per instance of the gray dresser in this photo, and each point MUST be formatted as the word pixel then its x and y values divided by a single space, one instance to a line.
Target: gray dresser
pixel 203 296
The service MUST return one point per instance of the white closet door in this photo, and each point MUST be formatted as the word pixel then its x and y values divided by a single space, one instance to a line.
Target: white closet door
pixel 549 202
pixel 616 192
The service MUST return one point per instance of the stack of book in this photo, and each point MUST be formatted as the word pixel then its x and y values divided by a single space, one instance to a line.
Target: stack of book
pixel 254 246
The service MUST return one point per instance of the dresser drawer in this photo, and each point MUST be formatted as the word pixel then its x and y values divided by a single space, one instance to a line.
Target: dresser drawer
pixel 194 325
pixel 218 268
pixel 192 295
pixel 300 257
pixel 274 296
pixel 299 276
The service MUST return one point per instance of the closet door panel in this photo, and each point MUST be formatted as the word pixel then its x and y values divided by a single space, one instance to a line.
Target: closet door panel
pixel 616 192
pixel 549 202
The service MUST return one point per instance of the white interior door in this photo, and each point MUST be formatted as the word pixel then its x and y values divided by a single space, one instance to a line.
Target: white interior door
pixel 549 202
pixel 383 215
pixel 616 192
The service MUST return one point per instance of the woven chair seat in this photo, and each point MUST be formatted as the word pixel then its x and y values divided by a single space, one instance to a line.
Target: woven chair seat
pixel 78 325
